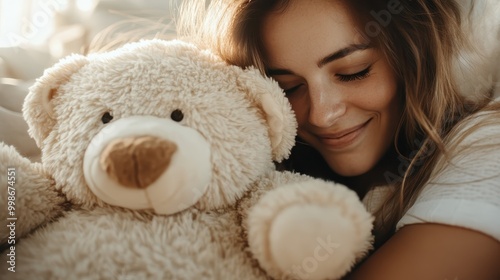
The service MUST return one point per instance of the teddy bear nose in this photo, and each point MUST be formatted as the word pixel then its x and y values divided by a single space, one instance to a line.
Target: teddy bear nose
pixel 137 162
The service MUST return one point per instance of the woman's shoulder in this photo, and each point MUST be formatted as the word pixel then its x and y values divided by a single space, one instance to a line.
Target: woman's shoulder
pixel 472 155
pixel 464 189
pixel 472 144
pixel 478 131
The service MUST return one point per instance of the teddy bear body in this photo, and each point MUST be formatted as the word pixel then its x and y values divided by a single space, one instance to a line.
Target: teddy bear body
pixel 115 243
pixel 157 163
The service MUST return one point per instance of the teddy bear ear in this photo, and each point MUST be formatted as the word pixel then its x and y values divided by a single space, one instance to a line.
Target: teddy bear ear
pixel 38 105
pixel 270 98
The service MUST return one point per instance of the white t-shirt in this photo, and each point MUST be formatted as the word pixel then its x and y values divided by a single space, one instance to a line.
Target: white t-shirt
pixel 466 193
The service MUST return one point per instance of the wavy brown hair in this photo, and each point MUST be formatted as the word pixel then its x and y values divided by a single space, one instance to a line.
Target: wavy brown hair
pixel 420 43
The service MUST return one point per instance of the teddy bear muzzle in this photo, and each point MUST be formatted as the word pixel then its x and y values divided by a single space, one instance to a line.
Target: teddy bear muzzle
pixel 147 162
pixel 136 162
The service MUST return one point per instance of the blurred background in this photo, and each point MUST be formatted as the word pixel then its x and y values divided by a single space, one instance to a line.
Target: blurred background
pixel 34 34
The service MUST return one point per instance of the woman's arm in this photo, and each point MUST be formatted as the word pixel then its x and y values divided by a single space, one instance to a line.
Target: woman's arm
pixel 433 251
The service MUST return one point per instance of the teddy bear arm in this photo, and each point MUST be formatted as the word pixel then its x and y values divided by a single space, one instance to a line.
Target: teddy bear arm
pixel 302 227
pixel 28 195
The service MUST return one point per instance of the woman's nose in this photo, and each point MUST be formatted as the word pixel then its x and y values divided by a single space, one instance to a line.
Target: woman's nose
pixel 326 106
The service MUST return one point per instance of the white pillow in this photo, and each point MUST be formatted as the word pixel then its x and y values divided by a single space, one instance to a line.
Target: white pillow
pixel 13 128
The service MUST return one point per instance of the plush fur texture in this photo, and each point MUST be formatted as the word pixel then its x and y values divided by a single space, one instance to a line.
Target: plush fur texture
pixel 218 208
pixel 476 66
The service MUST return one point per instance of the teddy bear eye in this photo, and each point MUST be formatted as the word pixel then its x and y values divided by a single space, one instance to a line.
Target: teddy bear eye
pixel 177 115
pixel 106 117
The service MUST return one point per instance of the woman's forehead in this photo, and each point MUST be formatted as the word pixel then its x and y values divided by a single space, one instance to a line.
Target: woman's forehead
pixel 304 29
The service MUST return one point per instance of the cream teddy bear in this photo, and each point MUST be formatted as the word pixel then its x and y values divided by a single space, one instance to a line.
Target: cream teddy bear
pixel 157 163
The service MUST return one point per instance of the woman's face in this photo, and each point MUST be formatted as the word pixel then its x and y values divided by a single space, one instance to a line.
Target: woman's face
pixel 343 92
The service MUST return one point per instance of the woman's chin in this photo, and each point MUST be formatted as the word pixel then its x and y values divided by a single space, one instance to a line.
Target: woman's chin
pixel 348 169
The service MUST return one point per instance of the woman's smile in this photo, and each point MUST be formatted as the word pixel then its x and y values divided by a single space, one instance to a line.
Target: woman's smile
pixel 343 139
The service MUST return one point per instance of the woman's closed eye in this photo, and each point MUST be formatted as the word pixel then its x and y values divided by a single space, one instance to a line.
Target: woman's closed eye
pixel 356 76
pixel 290 90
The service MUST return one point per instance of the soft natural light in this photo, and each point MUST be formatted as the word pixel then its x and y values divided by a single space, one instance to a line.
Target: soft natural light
pixel 85 5
pixel 28 22
pixel 10 11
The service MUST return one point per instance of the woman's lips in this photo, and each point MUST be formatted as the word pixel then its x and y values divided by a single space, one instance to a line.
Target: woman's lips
pixel 343 138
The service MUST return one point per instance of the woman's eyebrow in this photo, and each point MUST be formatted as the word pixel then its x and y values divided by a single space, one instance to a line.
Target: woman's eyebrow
pixel 342 53
pixel 279 71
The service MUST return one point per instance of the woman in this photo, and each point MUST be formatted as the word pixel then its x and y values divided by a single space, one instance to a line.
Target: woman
pixel 379 109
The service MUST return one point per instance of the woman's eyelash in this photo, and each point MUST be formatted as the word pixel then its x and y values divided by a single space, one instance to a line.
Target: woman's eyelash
pixel 343 78
pixel 292 89
pixel 356 76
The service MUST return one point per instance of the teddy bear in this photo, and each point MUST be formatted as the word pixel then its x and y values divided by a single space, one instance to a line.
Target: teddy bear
pixel 158 162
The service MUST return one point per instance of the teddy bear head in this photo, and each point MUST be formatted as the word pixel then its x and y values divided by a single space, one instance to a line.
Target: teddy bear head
pixel 157 125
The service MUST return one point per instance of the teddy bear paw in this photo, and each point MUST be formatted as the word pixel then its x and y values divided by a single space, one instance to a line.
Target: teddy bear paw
pixel 312 242
pixel 310 231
